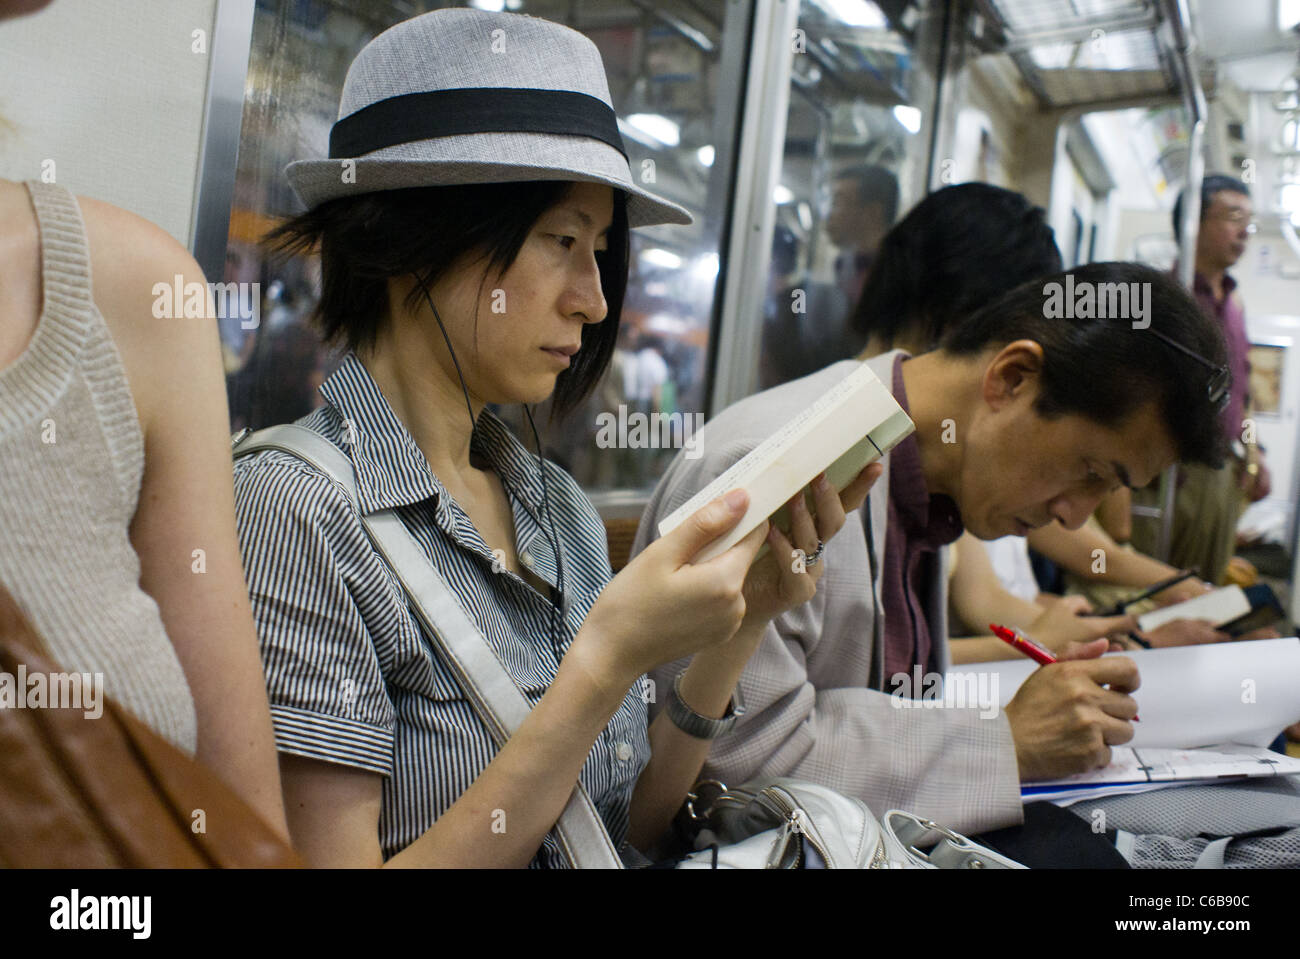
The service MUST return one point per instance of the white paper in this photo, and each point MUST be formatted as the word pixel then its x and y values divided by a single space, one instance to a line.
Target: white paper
pixel 1241 692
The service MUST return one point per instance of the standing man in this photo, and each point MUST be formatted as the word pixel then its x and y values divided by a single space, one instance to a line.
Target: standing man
pixel 864 202
pixel 1209 501
pixel 808 325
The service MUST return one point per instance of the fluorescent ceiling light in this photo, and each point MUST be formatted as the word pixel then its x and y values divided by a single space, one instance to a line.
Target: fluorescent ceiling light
pixel 909 117
pixel 706 155
pixel 492 6
pixel 706 267
pixel 656 256
pixel 782 195
pixel 660 130
pixel 855 13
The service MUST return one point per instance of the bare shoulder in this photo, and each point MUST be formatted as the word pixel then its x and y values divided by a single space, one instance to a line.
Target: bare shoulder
pixel 129 255
pixel 152 295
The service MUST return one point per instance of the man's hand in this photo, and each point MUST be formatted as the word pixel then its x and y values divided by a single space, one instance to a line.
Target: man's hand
pixel 1064 720
pixel 1264 632
pixel 1181 592
pixel 776 582
pixel 1059 625
pixel 1259 484
pixel 1185 632
pixel 1078 605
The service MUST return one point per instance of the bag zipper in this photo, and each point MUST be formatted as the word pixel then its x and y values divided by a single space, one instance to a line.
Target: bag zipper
pixel 795 823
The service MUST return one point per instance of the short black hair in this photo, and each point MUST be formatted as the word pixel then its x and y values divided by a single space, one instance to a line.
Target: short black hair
pixel 876 184
pixel 1104 369
pixel 364 240
pixel 957 249
pixel 1210 185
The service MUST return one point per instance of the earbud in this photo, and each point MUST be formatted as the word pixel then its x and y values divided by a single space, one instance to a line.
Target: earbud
pixel 553 537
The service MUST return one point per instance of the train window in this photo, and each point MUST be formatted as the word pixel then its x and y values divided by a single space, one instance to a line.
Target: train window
pixel 673 70
pixel 856 150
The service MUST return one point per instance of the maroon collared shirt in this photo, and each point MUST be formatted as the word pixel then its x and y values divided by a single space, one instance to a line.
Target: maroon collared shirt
pixel 1232 319
pixel 919 523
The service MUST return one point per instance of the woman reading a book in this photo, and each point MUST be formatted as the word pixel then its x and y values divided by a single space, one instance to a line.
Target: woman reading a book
pixel 453 289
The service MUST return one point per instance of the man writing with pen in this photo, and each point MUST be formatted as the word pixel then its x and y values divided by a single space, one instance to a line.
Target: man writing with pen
pixel 1020 420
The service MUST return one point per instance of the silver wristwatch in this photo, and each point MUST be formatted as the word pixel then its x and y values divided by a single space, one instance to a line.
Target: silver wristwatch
pixel 701 727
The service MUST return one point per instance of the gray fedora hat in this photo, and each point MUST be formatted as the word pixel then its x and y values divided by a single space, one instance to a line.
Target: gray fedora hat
pixel 461 96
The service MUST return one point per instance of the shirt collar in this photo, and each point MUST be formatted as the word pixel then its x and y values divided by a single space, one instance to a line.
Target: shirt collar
pixel 1202 285
pixel 934 520
pixel 391 469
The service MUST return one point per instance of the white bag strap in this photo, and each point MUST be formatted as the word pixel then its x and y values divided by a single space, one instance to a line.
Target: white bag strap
pixel 496 699
pixel 952 851
pixel 1213 854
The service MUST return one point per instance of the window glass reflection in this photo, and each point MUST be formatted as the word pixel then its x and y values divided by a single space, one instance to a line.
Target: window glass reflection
pixel 664 63
pixel 855 153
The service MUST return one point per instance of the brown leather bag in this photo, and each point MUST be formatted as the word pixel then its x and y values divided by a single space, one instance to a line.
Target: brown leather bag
pixel 109 792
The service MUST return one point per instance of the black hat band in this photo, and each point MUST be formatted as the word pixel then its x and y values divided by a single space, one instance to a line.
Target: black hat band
pixel 410 117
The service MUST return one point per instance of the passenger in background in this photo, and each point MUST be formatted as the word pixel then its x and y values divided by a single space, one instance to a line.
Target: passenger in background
pixel 994 582
pixel 1025 445
pixel 798 316
pixel 1208 502
pixel 864 202
pixel 115 498
pixel 980 596
pixel 955 251
pixel 806 322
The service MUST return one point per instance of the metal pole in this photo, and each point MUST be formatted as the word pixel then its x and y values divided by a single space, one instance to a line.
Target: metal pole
pixel 762 153
pixel 1188 73
pixel 232 37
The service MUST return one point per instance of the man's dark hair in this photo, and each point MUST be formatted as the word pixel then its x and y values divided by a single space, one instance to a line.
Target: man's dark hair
pixel 875 185
pixel 957 249
pixel 364 240
pixel 1103 368
pixel 1210 185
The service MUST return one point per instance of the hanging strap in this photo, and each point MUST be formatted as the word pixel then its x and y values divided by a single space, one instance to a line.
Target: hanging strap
pixel 498 702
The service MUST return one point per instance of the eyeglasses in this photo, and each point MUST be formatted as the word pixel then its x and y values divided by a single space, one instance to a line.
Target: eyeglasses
pixel 1237 218
pixel 1216 388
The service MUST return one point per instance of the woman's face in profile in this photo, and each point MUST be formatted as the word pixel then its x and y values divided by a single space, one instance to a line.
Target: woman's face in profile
pixel 529 319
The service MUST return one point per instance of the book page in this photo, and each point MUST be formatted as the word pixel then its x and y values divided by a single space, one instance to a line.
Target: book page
pixel 1241 692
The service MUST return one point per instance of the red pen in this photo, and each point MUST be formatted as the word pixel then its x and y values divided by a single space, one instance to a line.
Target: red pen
pixel 1034 650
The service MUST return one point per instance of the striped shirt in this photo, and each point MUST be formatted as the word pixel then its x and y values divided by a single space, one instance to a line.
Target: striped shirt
pixel 351 676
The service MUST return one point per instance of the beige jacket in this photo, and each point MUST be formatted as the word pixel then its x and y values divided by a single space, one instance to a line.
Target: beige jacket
pixel 814 709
